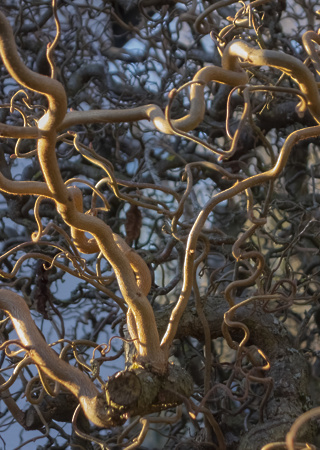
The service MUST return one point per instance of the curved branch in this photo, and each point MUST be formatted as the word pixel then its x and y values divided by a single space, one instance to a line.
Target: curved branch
pixel 149 343
pixel 241 186
pixel 286 63
pixel 91 400
pixel 52 89
pixel 23 187
pixel 12 406
pixel 155 113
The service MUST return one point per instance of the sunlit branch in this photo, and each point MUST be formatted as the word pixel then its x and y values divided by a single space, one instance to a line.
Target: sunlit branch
pixel 149 345
pixel 48 361
pixel 237 188
pixel 288 64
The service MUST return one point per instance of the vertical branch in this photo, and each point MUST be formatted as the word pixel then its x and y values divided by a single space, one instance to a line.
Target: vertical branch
pixel 149 343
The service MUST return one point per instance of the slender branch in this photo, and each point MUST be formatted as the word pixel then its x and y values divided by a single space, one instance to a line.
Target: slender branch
pixel 241 186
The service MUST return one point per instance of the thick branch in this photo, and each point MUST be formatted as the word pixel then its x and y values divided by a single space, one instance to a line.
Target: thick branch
pixel 149 344
pixel 51 88
pixel 286 63
pixel 92 402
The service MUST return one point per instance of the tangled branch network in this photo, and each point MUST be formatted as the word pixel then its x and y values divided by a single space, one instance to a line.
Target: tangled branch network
pixel 89 234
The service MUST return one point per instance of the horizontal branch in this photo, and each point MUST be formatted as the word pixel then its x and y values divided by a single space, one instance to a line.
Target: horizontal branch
pixel 13 131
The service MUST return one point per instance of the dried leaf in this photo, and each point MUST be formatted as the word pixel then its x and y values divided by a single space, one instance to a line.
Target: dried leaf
pixel 42 290
pixel 133 224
